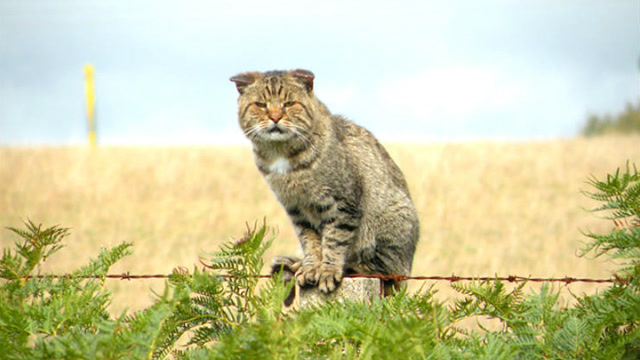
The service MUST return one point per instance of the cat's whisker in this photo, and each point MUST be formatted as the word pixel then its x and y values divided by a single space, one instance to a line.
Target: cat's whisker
pixel 297 131
pixel 252 131
pixel 302 137
pixel 250 134
pixel 302 131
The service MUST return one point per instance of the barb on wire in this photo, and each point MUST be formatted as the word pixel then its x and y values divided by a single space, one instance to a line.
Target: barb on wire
pixel 452 278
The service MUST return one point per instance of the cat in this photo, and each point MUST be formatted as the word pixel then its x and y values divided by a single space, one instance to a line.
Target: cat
pixel 348 201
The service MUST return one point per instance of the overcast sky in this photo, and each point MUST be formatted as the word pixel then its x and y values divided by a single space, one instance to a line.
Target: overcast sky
pixel 406 70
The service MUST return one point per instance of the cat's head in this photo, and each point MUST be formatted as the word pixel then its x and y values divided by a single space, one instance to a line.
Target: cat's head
pixel 276 105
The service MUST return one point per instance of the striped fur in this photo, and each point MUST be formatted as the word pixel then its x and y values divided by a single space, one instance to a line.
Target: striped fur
pixel 346 198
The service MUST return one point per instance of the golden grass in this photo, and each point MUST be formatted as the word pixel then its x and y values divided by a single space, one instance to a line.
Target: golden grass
pixel 485 208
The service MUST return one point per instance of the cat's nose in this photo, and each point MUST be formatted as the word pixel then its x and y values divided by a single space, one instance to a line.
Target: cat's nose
pixel 275 115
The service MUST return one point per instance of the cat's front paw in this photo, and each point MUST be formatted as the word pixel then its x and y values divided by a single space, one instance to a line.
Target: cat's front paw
pixel 326 277
pixel 308 275
pixel 329 278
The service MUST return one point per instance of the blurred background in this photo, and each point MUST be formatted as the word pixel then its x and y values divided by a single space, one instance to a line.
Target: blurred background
pixel 406 70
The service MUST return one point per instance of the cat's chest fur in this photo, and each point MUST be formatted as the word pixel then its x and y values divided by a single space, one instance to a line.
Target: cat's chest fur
pixel 281 165
pixel 296 183
pixel 291 185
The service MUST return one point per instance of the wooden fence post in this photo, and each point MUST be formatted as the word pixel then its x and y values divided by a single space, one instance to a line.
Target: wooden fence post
pixel 354 289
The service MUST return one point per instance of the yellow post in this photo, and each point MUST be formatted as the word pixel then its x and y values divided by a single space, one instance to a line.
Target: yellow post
pixel 91 103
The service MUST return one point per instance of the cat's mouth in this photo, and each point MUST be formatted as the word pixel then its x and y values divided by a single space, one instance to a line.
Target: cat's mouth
pixel 276 133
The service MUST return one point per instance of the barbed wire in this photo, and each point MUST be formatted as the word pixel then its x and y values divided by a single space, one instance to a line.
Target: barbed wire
pixel 510 278
pixel 452 278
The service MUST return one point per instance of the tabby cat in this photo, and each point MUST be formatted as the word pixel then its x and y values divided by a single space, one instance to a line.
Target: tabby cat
pixel 347 199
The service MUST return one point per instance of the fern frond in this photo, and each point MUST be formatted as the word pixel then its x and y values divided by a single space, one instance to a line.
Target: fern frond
pixel 100 266
pixel 36 246
pixel 490 298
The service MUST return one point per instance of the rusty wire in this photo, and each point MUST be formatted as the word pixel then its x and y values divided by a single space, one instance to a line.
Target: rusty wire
pixel 452 278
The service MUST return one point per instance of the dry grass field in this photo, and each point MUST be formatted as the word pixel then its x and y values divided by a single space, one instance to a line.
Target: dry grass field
pixel 486 208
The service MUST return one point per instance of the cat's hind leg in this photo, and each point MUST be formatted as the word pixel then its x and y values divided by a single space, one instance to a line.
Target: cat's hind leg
pixel 288 266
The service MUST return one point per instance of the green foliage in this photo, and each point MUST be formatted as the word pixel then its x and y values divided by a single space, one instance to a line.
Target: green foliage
pixel 615 313
pixel 40 317
pixel 225 311
pixel 626 122
pixel 213 304
pixel 45 316
pixel 620 195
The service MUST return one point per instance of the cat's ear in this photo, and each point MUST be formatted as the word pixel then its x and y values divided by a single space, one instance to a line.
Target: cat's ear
pixel 243 80
pixel 305 76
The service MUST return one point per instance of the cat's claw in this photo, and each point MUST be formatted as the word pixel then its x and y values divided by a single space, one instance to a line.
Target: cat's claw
pixel 308 275
pixel 329 279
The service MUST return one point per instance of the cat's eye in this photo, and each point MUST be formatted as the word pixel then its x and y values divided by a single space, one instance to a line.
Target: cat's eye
pixel 260 105
pixel 288 104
